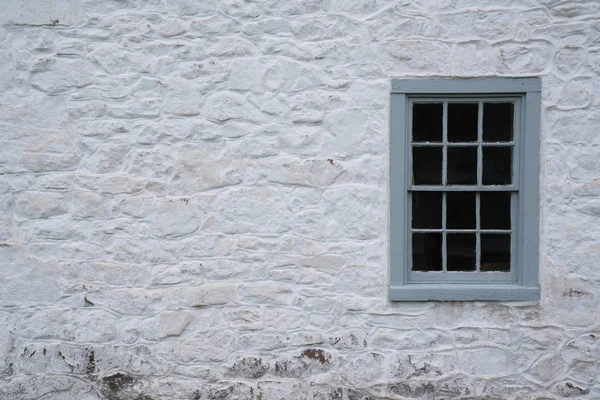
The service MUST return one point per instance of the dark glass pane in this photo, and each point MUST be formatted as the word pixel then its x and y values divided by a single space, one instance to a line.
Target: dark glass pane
pixel 427 251
pixel 498 122
pixel 462 165
pixel 427 122
pixel 462 122
pixel 427 210
pixel 427 165
pixel 497 165
pixel 495 252
pixel 495 210
pixel 460 210
pixel 461 251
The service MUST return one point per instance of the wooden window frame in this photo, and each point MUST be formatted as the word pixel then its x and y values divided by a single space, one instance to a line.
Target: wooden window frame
pixel 523 282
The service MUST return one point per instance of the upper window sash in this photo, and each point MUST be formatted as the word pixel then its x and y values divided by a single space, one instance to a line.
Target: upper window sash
pixel 480 100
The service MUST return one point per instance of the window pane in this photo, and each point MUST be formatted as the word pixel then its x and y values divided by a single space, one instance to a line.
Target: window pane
pixel 462 165
pixel 427 210
pixel 495 210
pixel 495 252
pixel 461 251
pixel 462 122
pixel 427 251
pixel 427 122
pixel 497 165
pixel 498 122
pixel 427 165
pixel 460 210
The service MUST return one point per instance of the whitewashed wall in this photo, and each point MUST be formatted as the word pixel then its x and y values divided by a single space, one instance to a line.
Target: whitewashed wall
pixel 193 201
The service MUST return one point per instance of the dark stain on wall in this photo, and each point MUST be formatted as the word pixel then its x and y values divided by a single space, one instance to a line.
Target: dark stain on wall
pixel 317 354
pixel 248 367
pixel 121 387
pixel 90 368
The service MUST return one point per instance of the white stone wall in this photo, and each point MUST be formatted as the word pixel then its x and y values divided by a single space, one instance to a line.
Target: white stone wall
pixel 193 201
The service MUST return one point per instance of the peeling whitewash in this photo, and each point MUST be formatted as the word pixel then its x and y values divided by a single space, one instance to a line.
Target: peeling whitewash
pixel 193 201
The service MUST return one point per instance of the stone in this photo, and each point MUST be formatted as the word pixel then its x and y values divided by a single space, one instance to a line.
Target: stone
pixel 548 368
pixel 62 75
pixel 348 340
pixel 88 204
pixel 109 273
pixel 496 26
pixel 61 387
pixel 268 27
pixel 258 146
pixel 174 217
pixel 18 269
pixel 155 163
pixel 207 347
pixel 37 13
pixel 173 27
pixel 320 172
pixel 585 347
pixel 277 389
pixel 232 47
pixel 226 390
pixel 570 59
pixel 166 324
pixel 250 77
pixel 306 339
pixel 330 226
pixel 84 325
pixel 350 131
pixel 266 292
pixel 324 27
pixel 307 362
pixel 247 367
pixel 35 205
pixel 186 7
pixel 417 55
pixel 521 59
pixel 247 318
pixel 484 361
pixel 183 100
pixel 262 341
pixel 579 92
pixel 225 106
pixel 132 301
pixel 119 385
pixel 135 206
pixel 292 76
pixel 214 24
pixel 42 152
pixel 241 209
pixel 475 57
pixel 107 157
pixel 570 389
pixel 208 294
pixel 58 229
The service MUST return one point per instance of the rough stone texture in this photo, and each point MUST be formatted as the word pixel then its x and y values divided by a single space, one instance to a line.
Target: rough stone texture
pixel 193 201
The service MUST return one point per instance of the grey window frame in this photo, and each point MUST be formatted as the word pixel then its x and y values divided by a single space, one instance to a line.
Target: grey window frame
pixel 522 283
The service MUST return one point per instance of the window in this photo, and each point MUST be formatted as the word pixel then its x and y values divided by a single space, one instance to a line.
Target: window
pixel 464 198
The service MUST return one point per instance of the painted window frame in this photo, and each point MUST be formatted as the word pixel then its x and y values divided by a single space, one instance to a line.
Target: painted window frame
pixel 525 284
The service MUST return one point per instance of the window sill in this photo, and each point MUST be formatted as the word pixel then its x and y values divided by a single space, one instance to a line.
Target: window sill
pixel 463 292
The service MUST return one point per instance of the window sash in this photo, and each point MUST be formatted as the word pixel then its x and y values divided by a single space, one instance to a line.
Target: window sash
pixel 465 276
pixel 477 275
pixel 480 100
